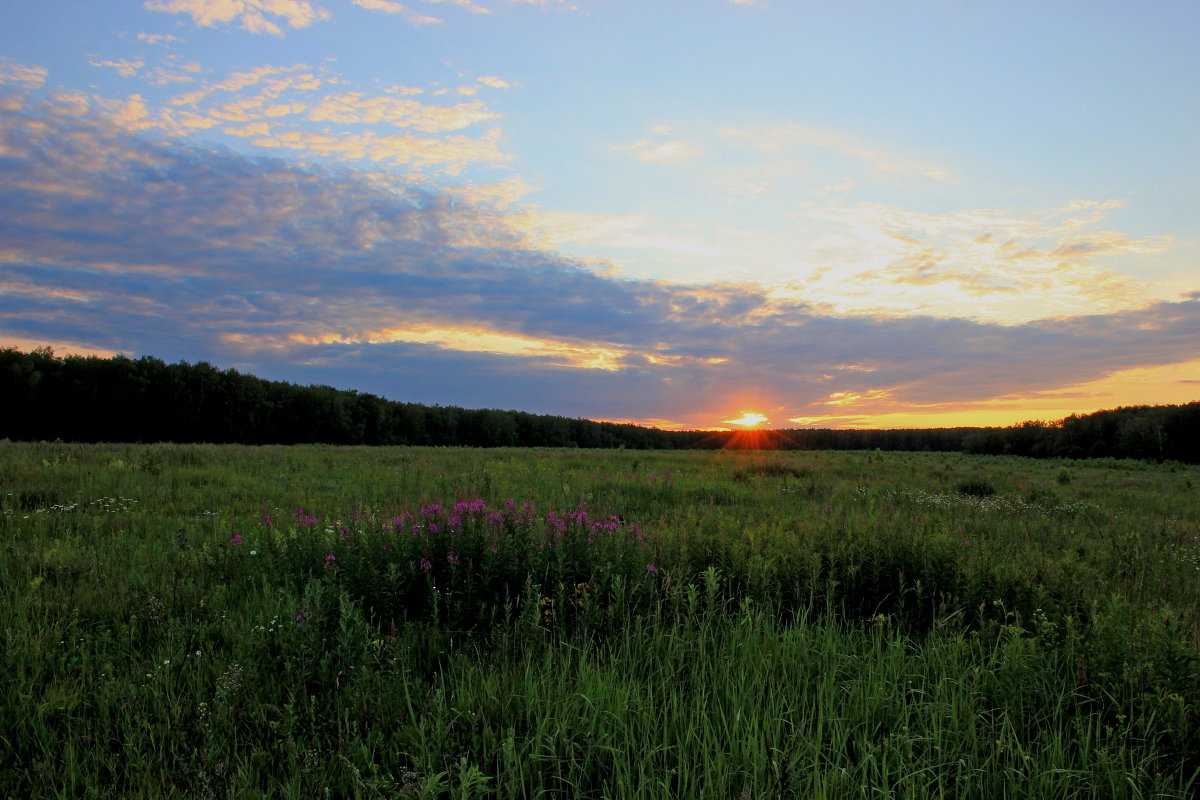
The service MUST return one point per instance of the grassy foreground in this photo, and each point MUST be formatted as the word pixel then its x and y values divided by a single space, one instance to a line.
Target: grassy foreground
pixel 194 621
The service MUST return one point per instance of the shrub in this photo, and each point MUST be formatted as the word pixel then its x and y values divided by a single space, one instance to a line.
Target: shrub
pixel 976 487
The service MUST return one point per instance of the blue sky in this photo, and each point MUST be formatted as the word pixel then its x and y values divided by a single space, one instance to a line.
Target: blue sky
pixel 827 213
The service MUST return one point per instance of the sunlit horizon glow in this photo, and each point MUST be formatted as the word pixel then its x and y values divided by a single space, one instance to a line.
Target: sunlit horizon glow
pixel 749 420
pixel 551 207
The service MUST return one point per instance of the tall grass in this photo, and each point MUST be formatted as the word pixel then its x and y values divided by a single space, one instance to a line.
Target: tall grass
pixel 350 622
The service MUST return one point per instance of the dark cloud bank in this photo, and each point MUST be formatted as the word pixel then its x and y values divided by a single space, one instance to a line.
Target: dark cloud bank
pixel 114 240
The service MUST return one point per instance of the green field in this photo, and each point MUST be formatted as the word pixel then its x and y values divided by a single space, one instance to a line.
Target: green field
pixel 309 622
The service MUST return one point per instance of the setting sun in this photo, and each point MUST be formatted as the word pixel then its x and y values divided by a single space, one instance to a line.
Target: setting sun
pixel 748 419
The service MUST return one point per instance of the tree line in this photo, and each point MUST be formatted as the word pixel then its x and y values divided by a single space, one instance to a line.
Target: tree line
pixel 120 399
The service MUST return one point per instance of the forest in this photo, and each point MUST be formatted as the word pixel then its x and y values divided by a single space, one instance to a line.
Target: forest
pixel 92 399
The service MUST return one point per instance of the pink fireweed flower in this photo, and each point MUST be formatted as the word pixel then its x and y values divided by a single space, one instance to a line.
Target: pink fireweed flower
pixel 426 565
pixel 329 559
pixel 303 518
pixel 236 540
pixel 451 559
pixel 471 507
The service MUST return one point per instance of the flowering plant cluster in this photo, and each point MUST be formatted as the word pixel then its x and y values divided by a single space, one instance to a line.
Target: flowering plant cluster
pixel 463 558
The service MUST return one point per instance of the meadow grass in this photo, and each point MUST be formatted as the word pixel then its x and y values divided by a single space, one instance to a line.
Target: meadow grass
pixel 204 621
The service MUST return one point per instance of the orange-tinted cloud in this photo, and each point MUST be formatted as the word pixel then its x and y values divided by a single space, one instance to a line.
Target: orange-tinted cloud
pixel 255 16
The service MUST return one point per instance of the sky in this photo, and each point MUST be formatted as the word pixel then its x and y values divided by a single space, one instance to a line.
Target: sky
pixel 679 213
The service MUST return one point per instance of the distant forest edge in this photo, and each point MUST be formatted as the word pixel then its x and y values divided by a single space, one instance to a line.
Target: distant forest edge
pixel 119 399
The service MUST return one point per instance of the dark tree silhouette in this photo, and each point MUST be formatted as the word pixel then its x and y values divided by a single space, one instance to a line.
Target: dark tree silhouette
pixel 118 399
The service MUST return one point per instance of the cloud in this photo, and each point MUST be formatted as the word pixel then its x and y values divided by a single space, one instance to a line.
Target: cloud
pixel 161 76
pixel 290 108
pixel 450 155
pixel 353 108
pixel 276 80
pixel 474 8
pixel 389 7
pixel 158 38
pixel 118 242
pixel 126 68
pixel 22 76
pixel 777 140
pixel 494 82
pixel 255 16
pixel 988 264
pixel 669 152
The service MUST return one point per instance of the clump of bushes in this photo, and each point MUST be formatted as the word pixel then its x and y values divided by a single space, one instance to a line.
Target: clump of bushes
pixel 976 487
pixel 772 469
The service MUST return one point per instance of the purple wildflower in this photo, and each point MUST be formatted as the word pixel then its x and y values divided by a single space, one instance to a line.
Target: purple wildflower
pixel 303 518
pixel 329 559
pixel 236 540
pixel 426 565
pixel 451 559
